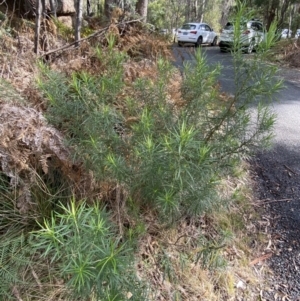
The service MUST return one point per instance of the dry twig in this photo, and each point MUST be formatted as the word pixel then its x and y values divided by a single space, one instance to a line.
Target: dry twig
pixel 268 201
pixel 261 258
pixel 97 33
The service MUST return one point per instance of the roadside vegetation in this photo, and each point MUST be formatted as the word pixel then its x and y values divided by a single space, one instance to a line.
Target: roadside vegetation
pixel 123 178
pixel 286 53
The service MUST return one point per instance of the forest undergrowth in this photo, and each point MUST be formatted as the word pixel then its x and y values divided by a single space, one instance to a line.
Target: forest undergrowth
pixel 121 178
pixel 286 53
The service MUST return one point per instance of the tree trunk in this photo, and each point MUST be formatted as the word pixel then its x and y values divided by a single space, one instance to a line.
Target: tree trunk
pixel 88 8
pixel 271 13
pixel 108 6
pixel 194 13
pixel 78 21
pixel 176 7
pixel 202 9
pixel 53 6
pixel 225 8
pixel 283 12
pixel 40 15
pixel 142 8
pixel 187 11
pixel 37 26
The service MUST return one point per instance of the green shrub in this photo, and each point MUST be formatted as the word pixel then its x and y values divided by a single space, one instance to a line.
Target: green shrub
pixel 84 246
pixel 14 260
pixel 170 158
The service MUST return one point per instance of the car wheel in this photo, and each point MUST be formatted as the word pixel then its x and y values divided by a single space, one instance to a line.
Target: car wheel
pixel 250 47
pixel 199 42
pixel 179 44
pixel 214 42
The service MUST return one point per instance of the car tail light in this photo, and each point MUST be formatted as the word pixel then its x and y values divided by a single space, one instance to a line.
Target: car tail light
pixel 246 31
pixel 193 31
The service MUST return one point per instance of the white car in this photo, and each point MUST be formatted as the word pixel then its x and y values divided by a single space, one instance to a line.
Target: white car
pixel 286 33
pixel 252 33
pixel 164 31
pixel 297 35
pixel 197 34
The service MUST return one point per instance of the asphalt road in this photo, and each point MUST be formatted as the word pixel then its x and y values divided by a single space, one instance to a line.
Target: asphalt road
pixel 276 175
pixel 286 106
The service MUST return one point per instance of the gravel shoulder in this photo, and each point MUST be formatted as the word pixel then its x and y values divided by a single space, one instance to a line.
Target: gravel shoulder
pixel 277 190
pixel 276 174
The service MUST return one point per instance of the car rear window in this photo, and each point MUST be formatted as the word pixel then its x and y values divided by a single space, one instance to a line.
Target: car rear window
pixel 229 26
pixel 188 26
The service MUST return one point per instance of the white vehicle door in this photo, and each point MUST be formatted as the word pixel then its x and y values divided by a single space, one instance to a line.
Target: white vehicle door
pixel 203 33
pixel 210 34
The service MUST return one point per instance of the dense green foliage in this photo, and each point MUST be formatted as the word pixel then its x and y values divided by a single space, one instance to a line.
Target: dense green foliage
pixel 170 158
pixel 14 261
pixel 85 247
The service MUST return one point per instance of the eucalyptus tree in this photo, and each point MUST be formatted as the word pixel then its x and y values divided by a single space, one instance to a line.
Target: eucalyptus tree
pixel 78 21
pixel 53 6
pixel 288 12
pixel 175 9
pixel 40 11
pixel 172 13
pixel 281 11
pixel 37 26
pixel 88 7
pixel 142 8
pixel 226 6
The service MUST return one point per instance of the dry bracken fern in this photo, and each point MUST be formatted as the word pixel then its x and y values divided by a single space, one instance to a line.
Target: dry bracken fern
pixel 27 143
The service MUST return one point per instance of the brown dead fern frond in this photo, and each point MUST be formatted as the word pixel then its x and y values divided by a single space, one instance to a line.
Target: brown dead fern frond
pixel 27 144
pixel 174 90
pixel 140 44
pixel 17 60
pixel 143 69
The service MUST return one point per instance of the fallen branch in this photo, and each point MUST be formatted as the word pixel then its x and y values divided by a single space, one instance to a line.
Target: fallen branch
pixel 268 201
pixel 289 169
pixel 261 258
pixel 97 33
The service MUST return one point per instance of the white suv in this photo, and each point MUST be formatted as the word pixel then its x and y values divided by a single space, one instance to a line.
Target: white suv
pixel 252 34
pixel 196 33
pixel 286 33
